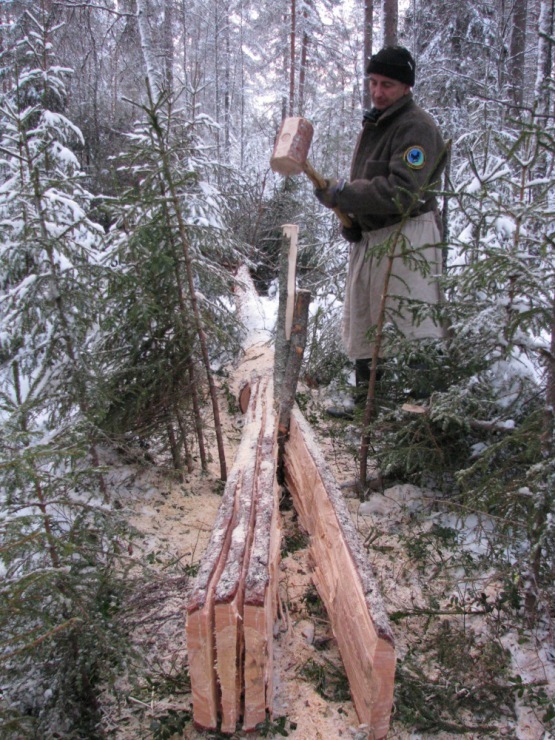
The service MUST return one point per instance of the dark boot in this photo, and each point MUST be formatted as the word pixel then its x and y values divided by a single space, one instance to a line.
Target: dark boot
pixel 362 378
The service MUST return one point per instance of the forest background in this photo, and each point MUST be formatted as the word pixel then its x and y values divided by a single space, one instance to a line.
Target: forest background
pixel 135 138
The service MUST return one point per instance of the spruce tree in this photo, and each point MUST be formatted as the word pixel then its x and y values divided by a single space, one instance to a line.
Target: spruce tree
pixel 59 540
pixel 170 288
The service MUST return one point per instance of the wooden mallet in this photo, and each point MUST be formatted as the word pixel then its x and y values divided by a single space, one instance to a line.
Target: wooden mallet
pixel 290 156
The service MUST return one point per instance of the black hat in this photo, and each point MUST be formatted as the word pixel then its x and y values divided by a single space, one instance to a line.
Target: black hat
pixel 395 62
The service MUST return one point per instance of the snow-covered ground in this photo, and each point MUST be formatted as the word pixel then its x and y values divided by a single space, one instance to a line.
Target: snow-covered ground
pixel 418 544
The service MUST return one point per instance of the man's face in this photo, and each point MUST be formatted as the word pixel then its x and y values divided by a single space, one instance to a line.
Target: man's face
pixel 385 91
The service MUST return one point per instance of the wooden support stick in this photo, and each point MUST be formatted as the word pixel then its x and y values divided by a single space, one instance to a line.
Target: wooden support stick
pixel 294 361
pixel 287 272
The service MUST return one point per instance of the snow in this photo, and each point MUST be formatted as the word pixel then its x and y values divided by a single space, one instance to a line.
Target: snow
pixel 256 313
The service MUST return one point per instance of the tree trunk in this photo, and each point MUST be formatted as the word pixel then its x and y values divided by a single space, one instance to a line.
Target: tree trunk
pixel 390 21
pixel 371 396
pixel 542 92
pixel 148 48
pixel 368 31
pixel 293 39
pixel 166 173
pixel 302 71
pixel 197 415
pixel 517 51
pixel 549 427
pixel 168 45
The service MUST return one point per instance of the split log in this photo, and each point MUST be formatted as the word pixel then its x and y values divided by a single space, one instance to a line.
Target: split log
pixel 232 607
pixel 343 578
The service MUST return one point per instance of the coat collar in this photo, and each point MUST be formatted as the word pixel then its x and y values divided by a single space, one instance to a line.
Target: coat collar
pixel 388 113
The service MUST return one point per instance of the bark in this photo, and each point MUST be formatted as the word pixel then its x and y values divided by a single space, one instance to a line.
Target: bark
pixel 293 40
pixel 168 45
pixel 175 205
pixel 302 72
pixel 368 31
pixel 390 22
pixel 153 72
pixel 545 58
pixel 517 51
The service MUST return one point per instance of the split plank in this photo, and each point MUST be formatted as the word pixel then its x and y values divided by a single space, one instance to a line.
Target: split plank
pixel 200 612
pixel 261 584
pixel 343 578
pixel 232 607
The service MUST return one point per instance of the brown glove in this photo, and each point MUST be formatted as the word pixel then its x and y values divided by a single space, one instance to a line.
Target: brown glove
pixel 328 195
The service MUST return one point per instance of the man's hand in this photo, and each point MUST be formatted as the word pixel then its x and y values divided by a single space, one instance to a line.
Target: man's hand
pixel 328 195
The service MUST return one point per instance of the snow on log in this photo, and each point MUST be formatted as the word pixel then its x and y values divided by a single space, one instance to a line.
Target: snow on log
pixel 232 607
pixel 343 578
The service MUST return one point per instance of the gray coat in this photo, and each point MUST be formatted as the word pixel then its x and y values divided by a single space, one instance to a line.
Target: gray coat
pixel 396 165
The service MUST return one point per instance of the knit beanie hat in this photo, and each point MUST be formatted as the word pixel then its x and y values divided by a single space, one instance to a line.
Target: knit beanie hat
pixel 395 62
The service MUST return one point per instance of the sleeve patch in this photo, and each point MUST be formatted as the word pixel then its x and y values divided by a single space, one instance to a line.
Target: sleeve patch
pixel 415 157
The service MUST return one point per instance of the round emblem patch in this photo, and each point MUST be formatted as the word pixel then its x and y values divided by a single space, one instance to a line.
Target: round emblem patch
pixel 415 157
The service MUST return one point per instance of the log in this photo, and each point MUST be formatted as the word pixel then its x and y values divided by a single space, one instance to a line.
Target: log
pixel 343 578
pixel 232 607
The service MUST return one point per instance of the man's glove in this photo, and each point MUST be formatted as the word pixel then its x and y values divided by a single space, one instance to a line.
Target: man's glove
pixel 352 234
pixel 328 195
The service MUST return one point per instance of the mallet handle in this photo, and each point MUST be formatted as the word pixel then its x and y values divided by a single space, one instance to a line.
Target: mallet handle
pixel 320 182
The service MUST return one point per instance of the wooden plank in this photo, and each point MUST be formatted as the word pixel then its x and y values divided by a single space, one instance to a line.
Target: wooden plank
pixel 200 612
pixel 343 577
pixel 260 610
pixel 229 596
pixel 219 634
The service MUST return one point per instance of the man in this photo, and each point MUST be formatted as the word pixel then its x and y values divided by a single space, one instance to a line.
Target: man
pixel 397 164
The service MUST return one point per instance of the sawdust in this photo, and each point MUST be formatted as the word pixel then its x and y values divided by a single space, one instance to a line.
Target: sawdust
pixel 174 521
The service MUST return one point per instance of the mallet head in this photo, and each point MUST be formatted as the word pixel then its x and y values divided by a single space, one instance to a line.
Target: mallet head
pixel 291 147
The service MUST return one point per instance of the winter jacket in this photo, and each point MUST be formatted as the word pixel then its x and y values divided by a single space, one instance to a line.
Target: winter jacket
pixel 397 164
